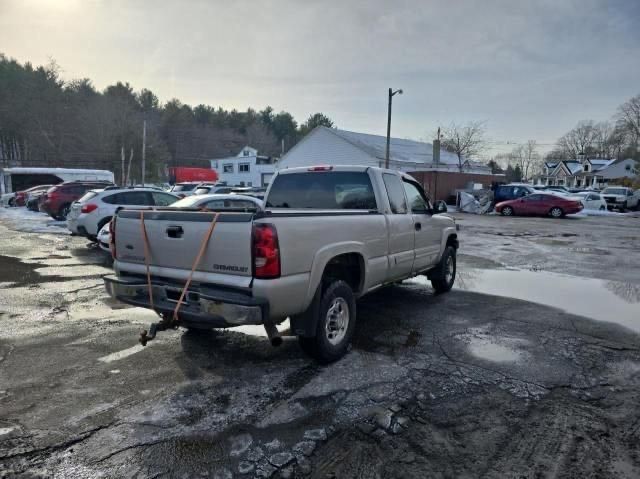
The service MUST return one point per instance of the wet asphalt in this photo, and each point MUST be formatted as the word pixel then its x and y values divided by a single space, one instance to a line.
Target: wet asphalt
pixel 512 374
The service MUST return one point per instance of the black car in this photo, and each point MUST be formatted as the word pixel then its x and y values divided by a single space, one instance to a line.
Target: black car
pixel 511 192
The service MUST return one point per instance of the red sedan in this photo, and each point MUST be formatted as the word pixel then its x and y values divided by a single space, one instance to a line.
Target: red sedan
pixel 539 204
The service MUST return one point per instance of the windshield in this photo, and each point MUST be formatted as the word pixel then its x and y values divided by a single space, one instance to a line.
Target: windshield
pixel 614 191
pixel 183 187
pixel 188 202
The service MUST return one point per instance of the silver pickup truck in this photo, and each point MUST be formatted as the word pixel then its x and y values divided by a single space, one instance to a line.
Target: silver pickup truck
pixel 325 237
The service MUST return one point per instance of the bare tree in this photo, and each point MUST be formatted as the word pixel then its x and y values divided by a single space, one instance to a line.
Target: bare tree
pixel 526 157
pixel 609 140
pixel 628 119
pixel 579 140
pixel 464 140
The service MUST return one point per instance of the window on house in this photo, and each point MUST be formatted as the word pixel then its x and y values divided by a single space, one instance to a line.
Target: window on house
pixel 228 168
pixel 243 167
pixel 586 167
pixel 245 152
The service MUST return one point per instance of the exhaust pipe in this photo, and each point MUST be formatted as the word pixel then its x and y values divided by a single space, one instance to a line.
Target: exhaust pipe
pixel 273 334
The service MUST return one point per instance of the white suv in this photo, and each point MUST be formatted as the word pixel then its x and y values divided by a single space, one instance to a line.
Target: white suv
pixel 95 209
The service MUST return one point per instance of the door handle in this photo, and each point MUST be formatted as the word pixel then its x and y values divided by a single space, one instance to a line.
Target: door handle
pixel 175 231
pixel 418 226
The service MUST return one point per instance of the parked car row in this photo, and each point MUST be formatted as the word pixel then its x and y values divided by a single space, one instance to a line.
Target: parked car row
pixel 557 201
pixel 199 188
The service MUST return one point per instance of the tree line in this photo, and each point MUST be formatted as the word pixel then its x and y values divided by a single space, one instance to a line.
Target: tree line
pixel 47 121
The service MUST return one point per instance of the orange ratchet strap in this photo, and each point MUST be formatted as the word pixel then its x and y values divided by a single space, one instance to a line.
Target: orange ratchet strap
pixel 203 246
pixel 146 259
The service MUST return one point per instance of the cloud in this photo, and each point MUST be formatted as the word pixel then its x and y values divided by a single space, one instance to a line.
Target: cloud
pixel 532 69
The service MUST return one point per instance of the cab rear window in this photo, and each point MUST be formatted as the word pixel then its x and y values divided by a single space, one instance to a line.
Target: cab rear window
pixel 327 190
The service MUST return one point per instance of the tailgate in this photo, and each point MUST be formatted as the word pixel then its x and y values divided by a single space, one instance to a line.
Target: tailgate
pixel 175 238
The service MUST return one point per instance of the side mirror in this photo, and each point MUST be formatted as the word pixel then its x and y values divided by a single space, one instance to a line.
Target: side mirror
pixel 439 207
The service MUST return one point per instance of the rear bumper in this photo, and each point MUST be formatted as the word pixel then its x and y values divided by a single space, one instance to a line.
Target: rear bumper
pixel 202 307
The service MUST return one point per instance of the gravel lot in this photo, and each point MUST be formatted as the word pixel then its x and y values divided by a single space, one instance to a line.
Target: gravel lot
pixel 477 382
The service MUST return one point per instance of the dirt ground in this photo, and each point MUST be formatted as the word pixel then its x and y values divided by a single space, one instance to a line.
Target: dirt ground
pixel 529 368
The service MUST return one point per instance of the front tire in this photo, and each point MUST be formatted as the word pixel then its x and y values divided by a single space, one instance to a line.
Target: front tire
pixel 444 276
pixel 335 324
pixel 507 211
pixel 556 212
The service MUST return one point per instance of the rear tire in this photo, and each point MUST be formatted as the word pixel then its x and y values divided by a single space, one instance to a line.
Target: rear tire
pixel 507 211
pixel 335 324
pixel 556 212
pixel 63 212
pixel 443 277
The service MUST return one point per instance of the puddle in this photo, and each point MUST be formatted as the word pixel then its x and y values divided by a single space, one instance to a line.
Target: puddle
pixel 17 273
pixel 12 270
pixel 485 344
pixel 597 299
pixel 494 352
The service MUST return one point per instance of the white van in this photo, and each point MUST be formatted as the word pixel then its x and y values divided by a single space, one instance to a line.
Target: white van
pixel 18 179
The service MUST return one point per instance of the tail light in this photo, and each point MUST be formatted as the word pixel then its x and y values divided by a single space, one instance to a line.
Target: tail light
pixel 320 168
pixel 88 208
pixel 266 252
pixel 112 237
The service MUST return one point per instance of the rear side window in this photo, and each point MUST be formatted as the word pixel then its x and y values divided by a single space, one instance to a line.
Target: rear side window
pixel 163 199
pixel 329 190
pixel 136 198
pixel 395 191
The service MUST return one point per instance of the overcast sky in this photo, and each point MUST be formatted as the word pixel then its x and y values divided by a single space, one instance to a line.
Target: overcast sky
pixel 531 69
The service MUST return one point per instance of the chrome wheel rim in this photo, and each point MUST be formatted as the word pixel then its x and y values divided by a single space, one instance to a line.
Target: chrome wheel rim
pixel 449 270
pixel 337 321
pixel 555 212
pixel 507 211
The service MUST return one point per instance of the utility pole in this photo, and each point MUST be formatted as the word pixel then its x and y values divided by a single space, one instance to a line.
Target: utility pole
pixel 124 181
pixel 436 163
pixel 144 147
pixel 129 168
pixel 386 156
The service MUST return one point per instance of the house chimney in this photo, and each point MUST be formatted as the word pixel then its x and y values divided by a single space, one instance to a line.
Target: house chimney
pixel 436 151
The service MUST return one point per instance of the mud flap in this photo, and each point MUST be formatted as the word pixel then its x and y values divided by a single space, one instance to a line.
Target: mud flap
pixel 305 324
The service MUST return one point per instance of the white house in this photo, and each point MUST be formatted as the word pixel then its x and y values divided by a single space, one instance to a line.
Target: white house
pixel 247 168
pixel 586 173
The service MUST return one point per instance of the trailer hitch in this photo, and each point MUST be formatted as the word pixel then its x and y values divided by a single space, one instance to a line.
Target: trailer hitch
pixel 167 322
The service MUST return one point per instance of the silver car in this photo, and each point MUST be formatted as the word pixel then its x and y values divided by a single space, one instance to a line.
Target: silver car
pixel 96 208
